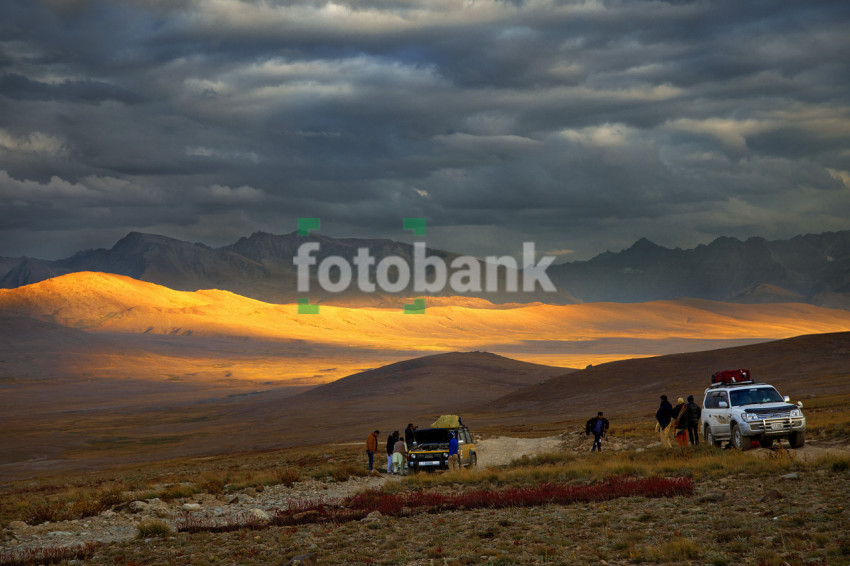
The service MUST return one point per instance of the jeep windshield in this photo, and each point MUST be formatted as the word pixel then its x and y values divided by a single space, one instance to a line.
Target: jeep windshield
pixel 432 438
pixel 754 396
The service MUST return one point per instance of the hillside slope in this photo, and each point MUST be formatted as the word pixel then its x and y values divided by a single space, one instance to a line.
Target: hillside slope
pixel 801 366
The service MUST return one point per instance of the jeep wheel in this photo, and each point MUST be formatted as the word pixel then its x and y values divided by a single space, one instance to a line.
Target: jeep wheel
pixel 740 441
pixel 709 438
pixel 473 461
pixel 797 439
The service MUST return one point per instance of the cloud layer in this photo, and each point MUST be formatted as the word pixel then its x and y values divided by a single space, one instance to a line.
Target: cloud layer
pixel 580 125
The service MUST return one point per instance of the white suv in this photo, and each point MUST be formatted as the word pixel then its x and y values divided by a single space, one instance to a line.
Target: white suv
pixel 743 412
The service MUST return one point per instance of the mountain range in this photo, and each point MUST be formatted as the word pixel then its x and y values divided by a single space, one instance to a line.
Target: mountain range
pixel 814 268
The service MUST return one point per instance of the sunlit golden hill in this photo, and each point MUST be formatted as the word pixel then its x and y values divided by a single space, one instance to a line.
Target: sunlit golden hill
pixel 564 335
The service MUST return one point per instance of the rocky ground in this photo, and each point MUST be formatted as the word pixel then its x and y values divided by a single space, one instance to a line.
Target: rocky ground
pixel 749 519
pixel 121 524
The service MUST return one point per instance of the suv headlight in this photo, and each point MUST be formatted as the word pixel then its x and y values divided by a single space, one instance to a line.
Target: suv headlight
pixel 413 456
pixel 445 454
pixel 796 413
pixel 750 417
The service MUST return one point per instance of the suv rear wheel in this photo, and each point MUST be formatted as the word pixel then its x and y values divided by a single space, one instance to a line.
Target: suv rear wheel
pixel 709 438
pixel 473 461
pixel 740 441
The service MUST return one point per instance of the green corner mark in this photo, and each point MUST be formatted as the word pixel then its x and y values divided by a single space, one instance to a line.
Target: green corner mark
pixel 418 307
pixel 304 307
pixel 415 224
pixel 307 224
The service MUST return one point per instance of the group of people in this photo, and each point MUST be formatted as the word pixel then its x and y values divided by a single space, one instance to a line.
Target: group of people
pixel 684 419
pixel 397 449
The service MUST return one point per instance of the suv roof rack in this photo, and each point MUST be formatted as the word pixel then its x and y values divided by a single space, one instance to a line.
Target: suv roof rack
pixel 733 384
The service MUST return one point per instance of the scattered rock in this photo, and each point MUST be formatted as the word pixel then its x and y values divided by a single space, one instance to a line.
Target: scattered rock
pixel 772 494
pixel 372 517
pixel 137 506
pixel 240 498
pixel 191 507
pixel 712 497
pixel 303 560
pixel 791 476
pixel 17 525
pixel 250 492
pixel 260 515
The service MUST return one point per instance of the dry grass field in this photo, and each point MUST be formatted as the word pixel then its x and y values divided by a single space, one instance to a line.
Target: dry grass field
pixel 762 507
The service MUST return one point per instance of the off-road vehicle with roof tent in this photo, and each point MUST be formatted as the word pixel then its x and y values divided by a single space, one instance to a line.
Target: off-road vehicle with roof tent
pixel 431 449
pixel 744 411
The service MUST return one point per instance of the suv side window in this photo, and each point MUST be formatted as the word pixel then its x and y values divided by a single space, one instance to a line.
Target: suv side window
pixel 713 399
pixel 467 436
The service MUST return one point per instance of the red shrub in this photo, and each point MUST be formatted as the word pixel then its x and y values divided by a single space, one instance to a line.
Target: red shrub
pixel 359 506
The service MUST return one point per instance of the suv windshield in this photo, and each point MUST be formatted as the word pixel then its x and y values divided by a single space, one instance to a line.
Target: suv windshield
pixel 754 396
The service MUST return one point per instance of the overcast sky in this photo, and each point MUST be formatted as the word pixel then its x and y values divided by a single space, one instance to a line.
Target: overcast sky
pixel 582 126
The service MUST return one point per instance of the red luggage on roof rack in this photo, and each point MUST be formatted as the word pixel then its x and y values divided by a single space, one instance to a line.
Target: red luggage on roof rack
pixel 731 376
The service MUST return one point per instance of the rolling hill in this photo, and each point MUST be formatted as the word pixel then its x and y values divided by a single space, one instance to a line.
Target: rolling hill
pixel 412 391
pixel 564 335
pixel 801 366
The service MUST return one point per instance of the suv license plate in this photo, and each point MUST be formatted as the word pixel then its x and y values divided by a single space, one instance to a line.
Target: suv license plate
pixel 777 426
pixel 429 463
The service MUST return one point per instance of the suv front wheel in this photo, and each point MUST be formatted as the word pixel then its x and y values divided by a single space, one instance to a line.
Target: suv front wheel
pixel 797 439
pixel 710 439
pixel 740 441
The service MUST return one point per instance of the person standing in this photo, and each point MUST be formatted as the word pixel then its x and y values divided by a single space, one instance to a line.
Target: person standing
pixel 399 455
pixel 598 426
pixel 680 422
pixel 372 447
pixel 663 416
pixel 454 460
pixel 391 440
pixel 410 435
pixel 694 413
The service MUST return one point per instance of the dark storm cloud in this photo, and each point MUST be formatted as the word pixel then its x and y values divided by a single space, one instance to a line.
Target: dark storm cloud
pixel 581 125
pixel 86 91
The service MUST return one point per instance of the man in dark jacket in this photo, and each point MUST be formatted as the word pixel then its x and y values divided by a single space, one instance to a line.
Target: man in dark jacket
pixel 409 435
pixel 694 413
pixel 598 426
pixel 391 440
pixel 663 416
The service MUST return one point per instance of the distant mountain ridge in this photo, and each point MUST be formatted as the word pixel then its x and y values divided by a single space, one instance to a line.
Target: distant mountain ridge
pixel 814 268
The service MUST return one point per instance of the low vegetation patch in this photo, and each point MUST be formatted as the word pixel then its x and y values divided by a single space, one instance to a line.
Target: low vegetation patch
pixel 48 555
pixel 401 504
pixel 152 528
